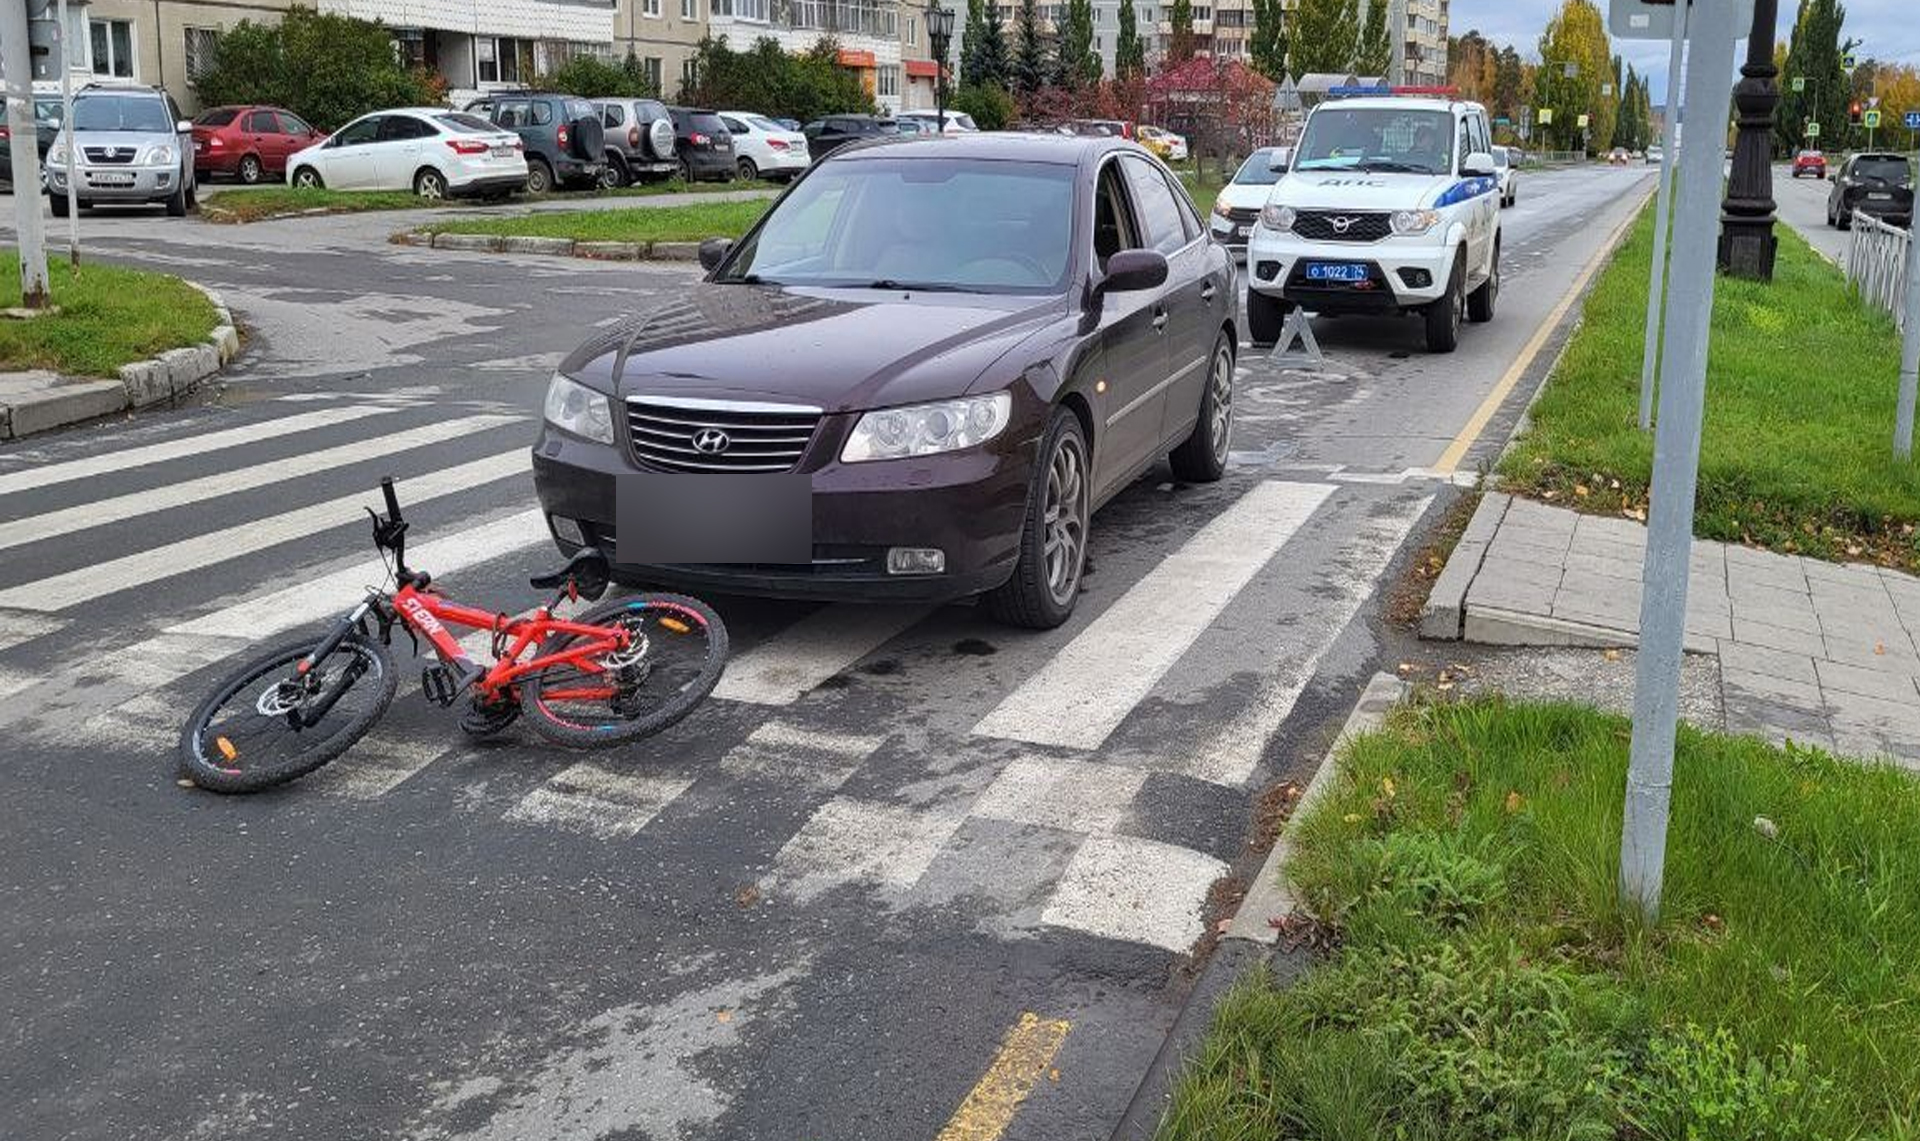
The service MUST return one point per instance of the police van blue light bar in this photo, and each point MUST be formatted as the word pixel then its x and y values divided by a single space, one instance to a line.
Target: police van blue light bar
pixel 1356 91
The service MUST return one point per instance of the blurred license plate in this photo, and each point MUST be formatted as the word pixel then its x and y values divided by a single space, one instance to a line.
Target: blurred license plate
pixel 1335 271
pixel 110 179
pixel 717 518
pixel 1242 231
pixel 1877 196
pixel 502 152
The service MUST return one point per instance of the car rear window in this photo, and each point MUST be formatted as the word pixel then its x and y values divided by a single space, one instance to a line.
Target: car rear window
pixel 707 123
pixel 766 124
pixel 1892 170
pixel 218 117
pixel 457 121
pixel 580 109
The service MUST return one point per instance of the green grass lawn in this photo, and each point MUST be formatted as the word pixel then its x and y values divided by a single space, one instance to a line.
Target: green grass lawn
pixel 644 224
pixel 256 203
pixel 108 317
pixel 1486 983
pixel 1797 450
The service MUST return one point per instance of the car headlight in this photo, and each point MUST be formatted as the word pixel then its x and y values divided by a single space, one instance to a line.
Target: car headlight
pixel 1414 221
pixel 160 154
pixel 928 429
pixel 57 156
pixel 1220 206
pixel 1277 217
pixel 573 407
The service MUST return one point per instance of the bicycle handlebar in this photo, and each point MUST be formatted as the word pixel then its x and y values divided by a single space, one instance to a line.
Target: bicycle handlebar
pixel 393 501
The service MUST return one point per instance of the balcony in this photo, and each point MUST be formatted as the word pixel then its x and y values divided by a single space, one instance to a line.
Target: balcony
pixel 1200 27
pixel 837 17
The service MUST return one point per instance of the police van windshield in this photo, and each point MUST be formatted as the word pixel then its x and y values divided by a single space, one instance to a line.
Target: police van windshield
pixel 1377 139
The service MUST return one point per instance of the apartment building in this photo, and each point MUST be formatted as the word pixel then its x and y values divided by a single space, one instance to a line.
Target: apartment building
pixel 1420 57
pixel 872 35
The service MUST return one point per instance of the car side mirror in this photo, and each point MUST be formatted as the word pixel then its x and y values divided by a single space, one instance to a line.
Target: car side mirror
pixel 713 251
pixel 1130 270
pixel 184 126
pixel 1479 164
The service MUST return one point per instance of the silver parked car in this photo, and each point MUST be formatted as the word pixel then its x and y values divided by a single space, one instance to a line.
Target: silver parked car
pixel 133 147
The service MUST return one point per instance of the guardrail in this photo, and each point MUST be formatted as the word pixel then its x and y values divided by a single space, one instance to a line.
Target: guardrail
pixel 1877 264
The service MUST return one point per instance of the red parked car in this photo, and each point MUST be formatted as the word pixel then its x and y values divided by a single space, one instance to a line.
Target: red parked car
pixel 248 143
pixel 1810 162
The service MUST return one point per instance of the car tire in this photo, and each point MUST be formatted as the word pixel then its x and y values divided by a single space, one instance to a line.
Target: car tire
pixel 1053 535
pixel 1266 316
pixel 1202 456
pixel 1481 302
pixel 250 169
pixel 686 172
pixel 613 175
pixel 539 177
pixel 1443 316
pixel 177 203
pixel 430 184
pixel 59 204
pixel 307 178
pixel 1846 219
pixel 748 171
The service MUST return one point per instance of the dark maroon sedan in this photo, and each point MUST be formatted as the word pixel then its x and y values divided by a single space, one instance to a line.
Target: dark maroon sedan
pixel 914 379
pixel 249 143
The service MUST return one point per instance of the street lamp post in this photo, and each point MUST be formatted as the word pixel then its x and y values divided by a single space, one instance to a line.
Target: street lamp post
pixel 1746 216
pixel 939 35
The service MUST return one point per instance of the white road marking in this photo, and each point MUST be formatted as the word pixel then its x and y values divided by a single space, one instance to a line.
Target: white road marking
pixel 100 512
pixel 1091 685
pixel 375 766
pixel 781 669
pixel 587 798
pixel 1143 891
pixel 1076 796
pixel 786 753
pixel 186 446
pixel 847 842
pixel 19 626
pixel 87 584
pixel 1345 584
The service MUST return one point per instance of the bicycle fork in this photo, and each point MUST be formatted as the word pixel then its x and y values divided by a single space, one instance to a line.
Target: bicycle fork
pixel 308 714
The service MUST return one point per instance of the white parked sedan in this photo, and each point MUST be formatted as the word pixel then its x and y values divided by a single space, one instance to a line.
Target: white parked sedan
pixel 1503 161
pixel 434 152
pixel 763 148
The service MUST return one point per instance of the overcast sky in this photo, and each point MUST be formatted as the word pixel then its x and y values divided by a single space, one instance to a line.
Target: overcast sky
pixel 1520 22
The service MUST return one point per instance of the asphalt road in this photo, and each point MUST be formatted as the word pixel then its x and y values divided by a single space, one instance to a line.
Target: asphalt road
pixel 1802 204
pixel 905 865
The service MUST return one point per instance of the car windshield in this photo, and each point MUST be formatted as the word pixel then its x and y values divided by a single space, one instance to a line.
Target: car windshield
pixel 960 225
pixel 46 111
pixel 1377 139
pixel 121 113
pixel 472 124
pixel 1892 170
pixel 1258 169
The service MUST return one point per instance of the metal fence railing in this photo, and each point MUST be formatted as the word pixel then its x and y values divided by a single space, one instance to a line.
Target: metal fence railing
pixel 1877 264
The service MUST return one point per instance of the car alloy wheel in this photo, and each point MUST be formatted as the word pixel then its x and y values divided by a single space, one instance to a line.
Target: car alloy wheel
pixel 250 169
pixel 307 178
pixel 539 178
pixel 1220 386
pixel 1064 518
pixel 748 171
pixel 430 184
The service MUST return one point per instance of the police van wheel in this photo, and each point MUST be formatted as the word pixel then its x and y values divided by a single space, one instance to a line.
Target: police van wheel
pixel 1443 316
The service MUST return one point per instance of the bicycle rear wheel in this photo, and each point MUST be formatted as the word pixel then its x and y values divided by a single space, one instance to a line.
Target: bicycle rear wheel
pixel 677 648
pixel 251 732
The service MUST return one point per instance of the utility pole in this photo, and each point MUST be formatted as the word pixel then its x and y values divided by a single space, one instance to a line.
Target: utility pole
pixel 1676 464
pixel 1669 157
pixel 16 58
pixel 1909 351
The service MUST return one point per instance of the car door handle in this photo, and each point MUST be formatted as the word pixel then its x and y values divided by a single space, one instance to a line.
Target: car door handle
pixel 1159 319
pixel 1207 292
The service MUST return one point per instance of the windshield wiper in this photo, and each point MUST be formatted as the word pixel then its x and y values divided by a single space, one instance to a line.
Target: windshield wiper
pixel 915 286
pixel 749 279
pixel 1391 166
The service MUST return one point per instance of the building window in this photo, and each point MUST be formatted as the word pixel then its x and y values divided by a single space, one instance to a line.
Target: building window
pixel 498 59
pixel 741 9
pixel 201 44
pixel 1099 44
pixel 410 47
pixel 1200 14
pixel 650 7
pixel 650 67
pixel 913 32
pixel 112 47
pixel 688 72
pixel 687 8
pixel 888 80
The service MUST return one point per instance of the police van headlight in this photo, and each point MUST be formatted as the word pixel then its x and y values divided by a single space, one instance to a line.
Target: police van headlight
pixel 1406 222
pixel 1277 217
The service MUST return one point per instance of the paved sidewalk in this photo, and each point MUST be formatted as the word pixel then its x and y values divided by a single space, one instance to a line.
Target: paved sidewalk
pixel 1820 653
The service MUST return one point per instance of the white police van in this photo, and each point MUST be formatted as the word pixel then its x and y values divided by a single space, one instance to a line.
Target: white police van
pixel 1391 205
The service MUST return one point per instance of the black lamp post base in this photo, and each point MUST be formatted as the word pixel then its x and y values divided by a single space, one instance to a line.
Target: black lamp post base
pixel 1747 248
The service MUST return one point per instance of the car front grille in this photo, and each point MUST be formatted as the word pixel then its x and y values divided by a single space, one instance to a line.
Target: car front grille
pixel 101 156
pixel 1242 215
pixel 718 435
pixel 1342 225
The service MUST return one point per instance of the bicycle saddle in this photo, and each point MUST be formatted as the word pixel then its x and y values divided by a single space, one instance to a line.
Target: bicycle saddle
pixel 587 570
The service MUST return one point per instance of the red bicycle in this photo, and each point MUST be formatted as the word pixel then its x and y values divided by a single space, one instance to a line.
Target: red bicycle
pixel 616 673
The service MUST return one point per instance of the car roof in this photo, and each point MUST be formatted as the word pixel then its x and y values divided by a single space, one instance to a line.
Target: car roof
pixel 1894 155
pixel 1066 150
pixel 1402 103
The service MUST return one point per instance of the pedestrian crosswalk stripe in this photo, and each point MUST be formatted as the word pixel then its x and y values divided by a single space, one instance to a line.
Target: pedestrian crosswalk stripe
pixel 848 841
pixel 100 512
pixel 781 669
pixel 1090 686
pixel 87 584
pixel 204 444
pixel 1074 796
pixel 17 626
pixel 375 766
pixel 789 754
pixel 588 798
pixel 1142 891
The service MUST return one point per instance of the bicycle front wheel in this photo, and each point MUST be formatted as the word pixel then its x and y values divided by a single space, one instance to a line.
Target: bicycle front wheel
pixel 676 648
pixel 267 724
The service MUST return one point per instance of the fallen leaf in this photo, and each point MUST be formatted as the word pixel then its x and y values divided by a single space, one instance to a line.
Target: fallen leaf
pixel 1713 922
pixel 723 1016
pixel 747 896
pixel 1222 927
pixel 183 782
pixel 1406 667
pixel 1611 655
pixel 1444 686
pixel 1351 818
pixel 1053 1075
pixel 1386 785
pixel 1580 489
pixel 1614 484
pixel 1515 802
pixel 1879 647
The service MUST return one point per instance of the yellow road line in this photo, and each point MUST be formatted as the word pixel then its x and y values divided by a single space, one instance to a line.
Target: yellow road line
pixel 1450 459
pixel 1022 1060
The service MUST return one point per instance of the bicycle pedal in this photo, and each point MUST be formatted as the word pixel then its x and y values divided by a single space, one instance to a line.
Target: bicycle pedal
pixel 439 685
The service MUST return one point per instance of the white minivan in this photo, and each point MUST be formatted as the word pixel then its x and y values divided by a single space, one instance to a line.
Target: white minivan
pixel 1391 205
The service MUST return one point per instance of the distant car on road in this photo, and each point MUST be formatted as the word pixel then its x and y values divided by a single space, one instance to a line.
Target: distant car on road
pixel 763 148
pixel 1656 155
pixel 1237 208
pixel 251 144
pixel 950 354
pixel 1876 183
pixel 565 143
pixel 434 152
pixel 1810 162
pixel 1617 157
pixel 829 134
pixel 639 138
pixel 1509 176
pixel 703 144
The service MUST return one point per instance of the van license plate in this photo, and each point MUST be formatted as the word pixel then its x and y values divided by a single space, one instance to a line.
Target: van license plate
pixel 1335 271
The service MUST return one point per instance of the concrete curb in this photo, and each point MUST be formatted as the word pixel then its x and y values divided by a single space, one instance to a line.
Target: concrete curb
pixel 550 247
pixel 1270 897
pixel 1444 615
pixel 169 376
pixel 1495 626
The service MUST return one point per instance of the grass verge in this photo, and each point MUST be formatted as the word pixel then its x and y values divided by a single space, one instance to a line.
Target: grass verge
pixel 108 317
pixel 259 203
pixel 1487 984
pixel 689 223
pixel 1797 453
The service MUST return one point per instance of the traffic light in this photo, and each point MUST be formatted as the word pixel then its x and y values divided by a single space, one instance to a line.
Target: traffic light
pixel 1853 112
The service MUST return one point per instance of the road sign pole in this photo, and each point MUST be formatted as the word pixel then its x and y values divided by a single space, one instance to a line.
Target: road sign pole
pixel 1656 288
pixel 1676 462
pixel 17 57
pixel 1909 351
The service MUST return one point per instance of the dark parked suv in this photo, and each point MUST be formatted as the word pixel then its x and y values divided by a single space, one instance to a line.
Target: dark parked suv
pixel 46 124
pixel 1876 183
pixel 639 141
pixel 835 131
pixel 704 145
pixel 565 144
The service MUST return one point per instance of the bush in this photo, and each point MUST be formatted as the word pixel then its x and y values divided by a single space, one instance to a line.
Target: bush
pixel 991 107
pixel 326 69
pixel 768 80
pixel 592 78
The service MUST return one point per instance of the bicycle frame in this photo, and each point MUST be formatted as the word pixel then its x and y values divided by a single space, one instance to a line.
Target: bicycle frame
pixel 431 616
